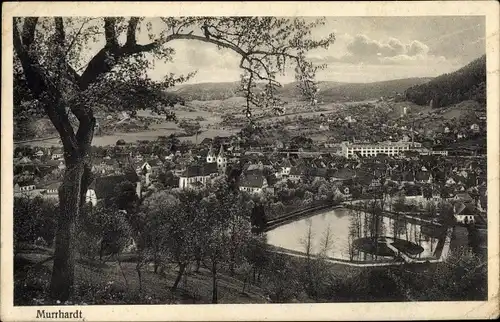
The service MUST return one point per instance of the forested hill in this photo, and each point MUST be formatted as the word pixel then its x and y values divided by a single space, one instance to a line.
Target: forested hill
pixel 467 83
pixel 330 91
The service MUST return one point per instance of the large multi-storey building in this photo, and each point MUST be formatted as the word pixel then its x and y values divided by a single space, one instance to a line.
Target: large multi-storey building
pixel 373 149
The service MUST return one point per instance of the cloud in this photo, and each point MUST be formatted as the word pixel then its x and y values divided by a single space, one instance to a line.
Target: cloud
pixel 417 48
pixel 362 49
pixel 412 59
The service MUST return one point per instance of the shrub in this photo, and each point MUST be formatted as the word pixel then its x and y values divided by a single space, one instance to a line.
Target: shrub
pixel 34 218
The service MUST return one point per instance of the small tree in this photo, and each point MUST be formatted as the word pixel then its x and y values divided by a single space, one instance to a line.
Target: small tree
pixel 33 218
pixel 227 228
pixel 191 128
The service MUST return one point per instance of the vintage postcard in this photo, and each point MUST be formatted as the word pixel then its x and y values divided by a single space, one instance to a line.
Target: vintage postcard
pixel 182 161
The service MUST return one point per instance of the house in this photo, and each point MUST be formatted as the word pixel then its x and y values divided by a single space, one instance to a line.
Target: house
pixel 51 189
pixel 296 173
pixel 151 166
pixel 104 188
pixel 179 169
pixel 24 160
pixel 24 186
pixel 253 183
pixel 285 167
pixel 463 197
pixel 474 127
pixel 464 214
pixel 38 154
pixel 450 181
pixel 196 175
pixel 57 154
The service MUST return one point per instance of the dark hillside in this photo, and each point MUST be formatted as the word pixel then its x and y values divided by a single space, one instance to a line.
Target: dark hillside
pixel 467 83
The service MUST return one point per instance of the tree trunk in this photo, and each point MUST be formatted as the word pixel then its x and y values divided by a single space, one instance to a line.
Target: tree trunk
pixel 121 269
pixel 61 284
pixel 155 258
pixel 77 178
pixel 139 275
pixel 182 267
pixel 198 263
pixel 214 283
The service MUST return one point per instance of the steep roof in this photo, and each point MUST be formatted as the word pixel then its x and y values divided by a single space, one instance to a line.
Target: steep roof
pixel 211 152
pixel 155 162
pixel 297 171
pixel 465 197
pixel 104 187
pixel 318 172
pixel 286 163
pixel 51 185
pixel 253 167
pixel 53 163
pixel 221 151
pixel 200 170
pixel 25 183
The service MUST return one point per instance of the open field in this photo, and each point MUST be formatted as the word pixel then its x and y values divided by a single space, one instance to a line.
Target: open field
pixel 131 137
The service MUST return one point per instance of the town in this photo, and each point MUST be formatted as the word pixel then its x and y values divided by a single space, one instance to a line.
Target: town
pixel 188 188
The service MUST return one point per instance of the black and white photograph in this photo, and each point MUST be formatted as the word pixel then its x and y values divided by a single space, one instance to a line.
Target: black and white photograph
pixel 175 160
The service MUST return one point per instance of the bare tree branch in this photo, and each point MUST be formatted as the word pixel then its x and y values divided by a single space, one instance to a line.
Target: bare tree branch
pixel 70 46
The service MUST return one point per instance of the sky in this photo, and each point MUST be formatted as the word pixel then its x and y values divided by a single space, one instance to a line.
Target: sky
pixel 367 49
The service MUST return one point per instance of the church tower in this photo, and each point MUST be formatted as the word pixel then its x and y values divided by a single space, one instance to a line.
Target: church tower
pixel 221 160
pixel 211 156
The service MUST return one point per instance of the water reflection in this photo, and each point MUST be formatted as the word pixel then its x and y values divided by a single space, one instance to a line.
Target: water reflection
pixel 353 236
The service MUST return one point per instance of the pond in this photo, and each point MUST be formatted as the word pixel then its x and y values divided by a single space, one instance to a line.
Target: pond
pixel 358 236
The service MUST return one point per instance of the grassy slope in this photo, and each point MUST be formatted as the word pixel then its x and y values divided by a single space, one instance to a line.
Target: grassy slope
pixel 104 283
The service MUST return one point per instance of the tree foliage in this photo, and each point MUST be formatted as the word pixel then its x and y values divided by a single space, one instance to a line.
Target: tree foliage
pixel 34 218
